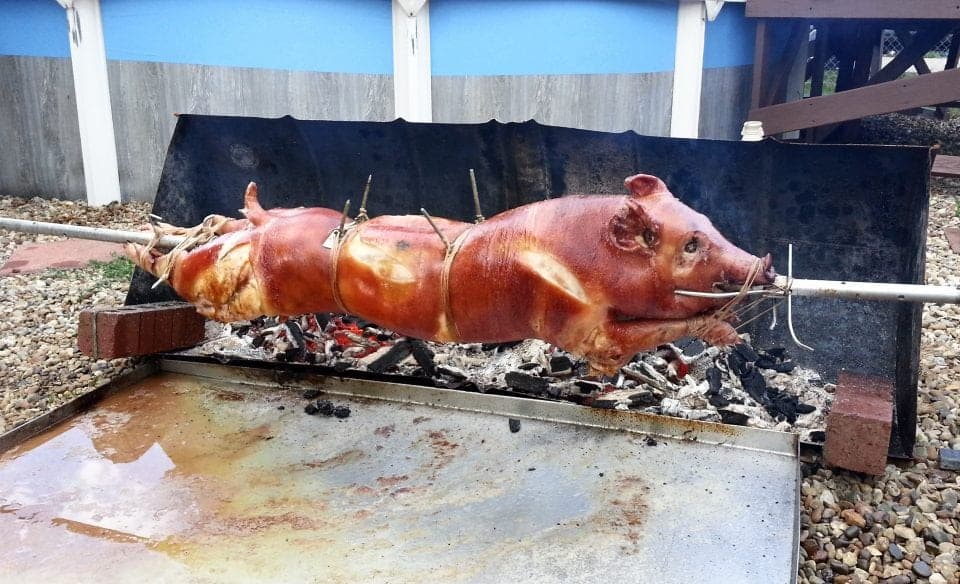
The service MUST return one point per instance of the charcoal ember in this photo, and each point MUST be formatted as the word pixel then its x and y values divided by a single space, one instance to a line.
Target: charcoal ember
pixel 530 367
pixel 691 347
pixel 738 364
pixel 775 360
pixel 398 352
pixel 312 394
pixel 294 333
pixel 526 383
pixel 514 425
pixel 714 378
pixel 323 319
pixel 325 407
pixel 341 412
pixel 777 353
pixel 424 357
pixel 803 408
pixel 311 409
pixel 294 354
pixel 644 397
pixel 242 330
pixel 587 386
pixel 451 372
pixel 733 418
pixel 754 384
pixel 499 346
pixel 604 403
pixel 718 401
pixel 746 352
pixel 818 436
pixel 465 386
pixel 258 340
pixel 780 405
pixel 364 324
pixel 561 365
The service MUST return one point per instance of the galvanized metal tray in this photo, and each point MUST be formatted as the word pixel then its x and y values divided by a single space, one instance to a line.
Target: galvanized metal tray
pixel 206 473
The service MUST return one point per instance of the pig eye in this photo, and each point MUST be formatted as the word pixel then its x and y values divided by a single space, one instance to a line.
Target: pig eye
pixel 649 237
pixel 692 246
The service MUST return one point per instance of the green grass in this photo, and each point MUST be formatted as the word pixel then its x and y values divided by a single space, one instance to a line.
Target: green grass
pixel 119 269
pixel 829 83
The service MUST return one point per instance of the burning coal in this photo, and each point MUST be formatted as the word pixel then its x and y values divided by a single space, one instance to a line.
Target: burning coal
pixel 738 385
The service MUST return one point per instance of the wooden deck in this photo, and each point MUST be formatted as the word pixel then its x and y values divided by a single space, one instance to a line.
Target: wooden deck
pixel 946 166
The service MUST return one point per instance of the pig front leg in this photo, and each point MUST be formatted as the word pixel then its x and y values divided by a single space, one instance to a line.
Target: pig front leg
pixel 614 343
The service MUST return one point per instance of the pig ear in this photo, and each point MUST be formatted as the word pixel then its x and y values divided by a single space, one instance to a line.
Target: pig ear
pixel 632 229
pixel 642 185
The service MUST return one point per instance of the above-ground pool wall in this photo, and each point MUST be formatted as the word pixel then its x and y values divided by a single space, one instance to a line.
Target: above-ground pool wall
pixel 598 64
pixel 40 151
pixel 604 65
pixel 305 58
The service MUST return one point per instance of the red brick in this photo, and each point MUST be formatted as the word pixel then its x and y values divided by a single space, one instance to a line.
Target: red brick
pixel 859 423
pixel 126 331
pixel 146 337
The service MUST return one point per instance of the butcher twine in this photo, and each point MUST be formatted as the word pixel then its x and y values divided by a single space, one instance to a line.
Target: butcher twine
pixel 451 253
pixel 335 268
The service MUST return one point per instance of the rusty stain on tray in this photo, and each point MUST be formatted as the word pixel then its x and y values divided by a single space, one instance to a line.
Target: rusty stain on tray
pixel 178 479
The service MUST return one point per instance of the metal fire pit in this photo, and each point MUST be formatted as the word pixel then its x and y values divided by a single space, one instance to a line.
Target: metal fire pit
pixel 191 472
pixel 852 212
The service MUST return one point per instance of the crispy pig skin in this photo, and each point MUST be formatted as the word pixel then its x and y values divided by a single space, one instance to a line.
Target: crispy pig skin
pixel 594 275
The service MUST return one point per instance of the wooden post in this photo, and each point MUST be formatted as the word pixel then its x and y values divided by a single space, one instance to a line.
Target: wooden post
pixel 688 69
pixel 820 57
pixel 92 89
pixel 412 93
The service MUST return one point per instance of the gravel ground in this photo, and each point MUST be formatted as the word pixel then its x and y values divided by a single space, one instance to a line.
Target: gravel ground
pixel 900 527
pixel 40 365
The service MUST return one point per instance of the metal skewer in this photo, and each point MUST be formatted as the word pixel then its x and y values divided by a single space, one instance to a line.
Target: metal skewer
pixel 362 213
pixel 844 289
pixel 476 198
pixel 94 233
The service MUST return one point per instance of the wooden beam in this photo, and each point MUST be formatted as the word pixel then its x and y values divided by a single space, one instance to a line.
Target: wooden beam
pixel 954 51
pixel 892 96
pixel 921 42
pixel 779 78
pixel 948 166
pixel 761 64
pixel 858 9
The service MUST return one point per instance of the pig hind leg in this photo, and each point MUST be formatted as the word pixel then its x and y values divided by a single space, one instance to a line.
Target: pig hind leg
pixel 616 342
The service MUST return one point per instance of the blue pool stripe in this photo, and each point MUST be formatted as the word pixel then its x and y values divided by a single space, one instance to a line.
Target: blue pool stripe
pixel 33 28
pixel 530 37
pixel 729 39
pixel 345 36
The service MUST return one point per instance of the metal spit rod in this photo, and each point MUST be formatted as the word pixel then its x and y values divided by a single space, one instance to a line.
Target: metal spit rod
pixel 94 233
pixel 782 285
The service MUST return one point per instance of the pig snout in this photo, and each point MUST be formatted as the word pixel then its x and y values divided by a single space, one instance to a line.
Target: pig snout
pixel 740 269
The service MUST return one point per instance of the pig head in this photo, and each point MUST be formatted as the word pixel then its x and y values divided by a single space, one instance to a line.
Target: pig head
pixel 596 275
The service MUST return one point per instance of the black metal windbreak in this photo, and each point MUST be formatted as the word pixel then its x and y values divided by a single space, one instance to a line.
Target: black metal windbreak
pixel 851 212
